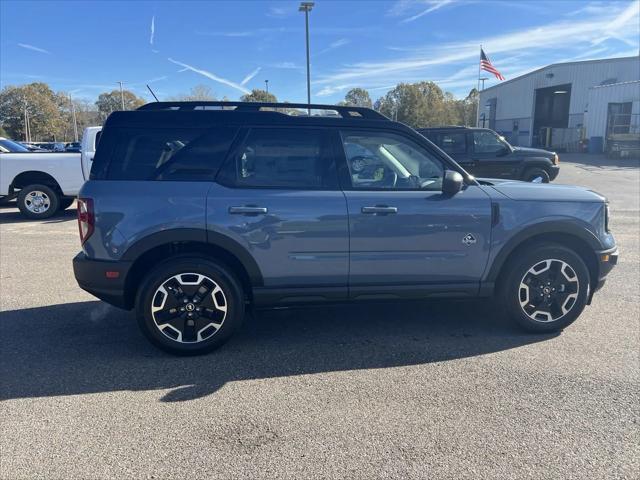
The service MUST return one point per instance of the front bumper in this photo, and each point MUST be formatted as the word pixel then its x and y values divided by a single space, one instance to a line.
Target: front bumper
pixel 103 279
pixel 554 170
pixel 607 259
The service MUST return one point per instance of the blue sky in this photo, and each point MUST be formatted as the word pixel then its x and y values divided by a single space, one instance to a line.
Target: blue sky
pixel 86 47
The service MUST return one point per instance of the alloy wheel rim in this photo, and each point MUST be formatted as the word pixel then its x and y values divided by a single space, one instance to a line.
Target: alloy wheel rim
pixel 548 290
pixel 189 308
pixel 37 201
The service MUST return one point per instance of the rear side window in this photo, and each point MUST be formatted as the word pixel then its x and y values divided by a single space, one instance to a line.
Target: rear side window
pixel 282 158
pixel 453 142
pixel 165 153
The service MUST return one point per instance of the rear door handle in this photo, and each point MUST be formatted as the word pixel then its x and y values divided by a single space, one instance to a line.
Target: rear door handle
pixel 247 210
pixel 379 209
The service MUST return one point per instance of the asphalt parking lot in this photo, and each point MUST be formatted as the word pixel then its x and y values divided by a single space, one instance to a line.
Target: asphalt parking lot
pixel 428 390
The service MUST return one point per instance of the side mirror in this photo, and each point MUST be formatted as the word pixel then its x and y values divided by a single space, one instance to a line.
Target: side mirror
pixel 452 182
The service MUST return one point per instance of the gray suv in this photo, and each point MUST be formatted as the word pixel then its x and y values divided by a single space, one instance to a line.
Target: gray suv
pixel 196 211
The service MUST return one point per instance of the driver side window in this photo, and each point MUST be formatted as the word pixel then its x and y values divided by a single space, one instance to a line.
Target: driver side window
pixel 381 160
pixel 487 142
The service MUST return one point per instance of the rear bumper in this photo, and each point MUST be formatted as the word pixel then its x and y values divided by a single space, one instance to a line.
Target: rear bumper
pixel 98 278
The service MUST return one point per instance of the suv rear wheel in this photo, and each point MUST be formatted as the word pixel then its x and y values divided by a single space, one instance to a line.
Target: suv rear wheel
pixel 189 306
pixel 38 201
pixel 546 288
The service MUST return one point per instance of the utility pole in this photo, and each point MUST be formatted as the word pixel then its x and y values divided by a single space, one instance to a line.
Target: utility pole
pixel 75 122
pixel 306 7
pixel 266 84
pixel 121 95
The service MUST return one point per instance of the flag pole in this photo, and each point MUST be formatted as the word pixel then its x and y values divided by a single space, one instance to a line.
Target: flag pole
pixel 478 88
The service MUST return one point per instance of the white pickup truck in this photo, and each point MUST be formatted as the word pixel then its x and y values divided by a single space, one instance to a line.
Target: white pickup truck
pixel 44 183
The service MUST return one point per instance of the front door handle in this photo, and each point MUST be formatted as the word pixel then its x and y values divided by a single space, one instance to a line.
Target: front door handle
pixel 379 210
pixel 248 210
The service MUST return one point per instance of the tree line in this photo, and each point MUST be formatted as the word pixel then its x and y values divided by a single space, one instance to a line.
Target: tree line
pixel 36 112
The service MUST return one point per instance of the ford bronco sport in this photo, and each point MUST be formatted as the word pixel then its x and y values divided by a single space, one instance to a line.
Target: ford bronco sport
pixel 195 211
pixel 484 153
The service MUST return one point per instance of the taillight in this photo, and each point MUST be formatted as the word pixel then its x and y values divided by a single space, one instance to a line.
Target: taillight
pixel 86 218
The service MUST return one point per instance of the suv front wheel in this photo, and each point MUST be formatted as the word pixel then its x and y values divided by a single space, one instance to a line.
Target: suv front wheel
pixel 189 306
pixel 545 288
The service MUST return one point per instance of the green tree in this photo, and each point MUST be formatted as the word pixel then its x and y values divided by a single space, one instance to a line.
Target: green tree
pixel 42 108
pixel 258 95
pixel 420 105
pixel 3 132
pixel 357 97
pixel 112 101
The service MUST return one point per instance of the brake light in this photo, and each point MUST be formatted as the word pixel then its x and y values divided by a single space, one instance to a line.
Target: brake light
pixel 86 218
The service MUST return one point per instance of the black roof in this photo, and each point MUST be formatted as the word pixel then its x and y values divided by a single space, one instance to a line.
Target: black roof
pixel 205 114
pixel 445 127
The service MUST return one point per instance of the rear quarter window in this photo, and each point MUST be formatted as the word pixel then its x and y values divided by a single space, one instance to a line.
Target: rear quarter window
pixel 162 154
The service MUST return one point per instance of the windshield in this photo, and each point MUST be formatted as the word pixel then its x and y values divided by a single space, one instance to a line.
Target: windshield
pixel 13 147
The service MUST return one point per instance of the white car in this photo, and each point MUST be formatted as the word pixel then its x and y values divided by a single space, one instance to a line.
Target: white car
pixel 44 183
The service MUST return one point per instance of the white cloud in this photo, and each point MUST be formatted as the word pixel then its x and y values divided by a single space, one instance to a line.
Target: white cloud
pixel 250 76
pixel 157 79
pixel 534 47
pixel 153 29
pixel 33 48
pixel 286 65
pixel 333 45
pixel 433 6
pixel 210 75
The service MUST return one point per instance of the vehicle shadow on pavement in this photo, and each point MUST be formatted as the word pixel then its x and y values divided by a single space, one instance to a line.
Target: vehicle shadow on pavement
pixel 13 215
pixel 90 347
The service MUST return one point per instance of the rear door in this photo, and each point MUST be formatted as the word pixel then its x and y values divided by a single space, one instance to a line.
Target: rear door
pixel 278 196
pixel 404 231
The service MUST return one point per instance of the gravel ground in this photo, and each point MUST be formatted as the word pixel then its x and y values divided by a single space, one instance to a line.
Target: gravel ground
pixel 426 390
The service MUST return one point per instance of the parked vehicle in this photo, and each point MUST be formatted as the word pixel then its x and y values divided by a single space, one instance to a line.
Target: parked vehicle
pixel 192 215
pixel 72 147
pixel 51 146
pixel 43 183
pixel 484 153
pixel 9 146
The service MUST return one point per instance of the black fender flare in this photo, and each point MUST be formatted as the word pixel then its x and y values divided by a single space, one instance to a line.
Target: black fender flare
pixel 548 227
pixel 195 235
pixel 534 162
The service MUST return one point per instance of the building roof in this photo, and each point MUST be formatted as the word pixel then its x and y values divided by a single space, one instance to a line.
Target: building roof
pixel 579 62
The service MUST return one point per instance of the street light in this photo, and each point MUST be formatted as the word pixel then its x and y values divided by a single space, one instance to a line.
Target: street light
pixel 266 84
pixel 121 95
pixel 306 8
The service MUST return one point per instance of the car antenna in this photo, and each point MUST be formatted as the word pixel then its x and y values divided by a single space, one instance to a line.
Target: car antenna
pixel 154 95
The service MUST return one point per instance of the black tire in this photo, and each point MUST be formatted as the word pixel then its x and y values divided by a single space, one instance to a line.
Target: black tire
pixel 512 290
pixel 532 173
pixel 167 338
pixel 66 202
pixel 28 192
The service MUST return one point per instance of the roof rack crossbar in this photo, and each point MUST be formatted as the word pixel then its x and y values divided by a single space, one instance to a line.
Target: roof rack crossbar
pixel 346 111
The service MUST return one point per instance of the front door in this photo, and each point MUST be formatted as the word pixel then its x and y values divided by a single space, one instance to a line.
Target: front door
pixel 278 196
pixel 403 229
pixel 492 156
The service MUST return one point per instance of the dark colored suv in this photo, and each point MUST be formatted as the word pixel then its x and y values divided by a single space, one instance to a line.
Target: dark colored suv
pixel 484 153
pixel 196 211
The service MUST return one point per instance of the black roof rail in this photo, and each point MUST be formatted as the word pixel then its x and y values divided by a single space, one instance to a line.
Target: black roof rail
pixel 445 127
pixel 345 111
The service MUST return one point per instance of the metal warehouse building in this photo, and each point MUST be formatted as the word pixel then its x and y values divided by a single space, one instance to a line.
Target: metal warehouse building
pixel 559 105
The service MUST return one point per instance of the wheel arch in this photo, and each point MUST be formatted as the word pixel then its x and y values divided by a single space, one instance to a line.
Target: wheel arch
pixel 31 177
pixel 161 246
pixel 582 241
pixel 534 162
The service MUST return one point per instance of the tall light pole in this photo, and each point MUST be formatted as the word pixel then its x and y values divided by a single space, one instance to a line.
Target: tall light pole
pixel 75 121
pixel 266 84
pixel 121 95
pixel 483 79
pixel 306 8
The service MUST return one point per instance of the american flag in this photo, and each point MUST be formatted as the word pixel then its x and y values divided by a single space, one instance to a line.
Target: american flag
pixel 485 64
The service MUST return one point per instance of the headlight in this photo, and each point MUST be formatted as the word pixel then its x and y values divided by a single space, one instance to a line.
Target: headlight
pixel 556 159
pixel 607 214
